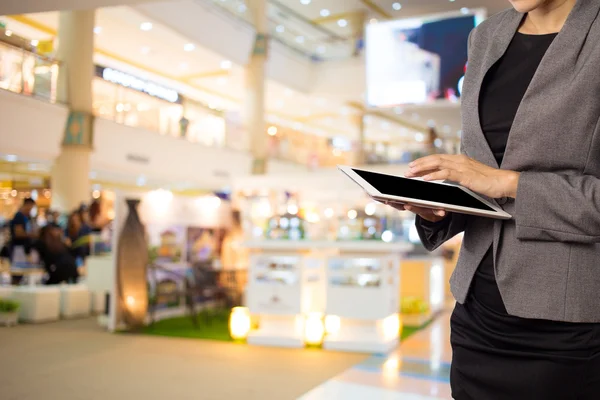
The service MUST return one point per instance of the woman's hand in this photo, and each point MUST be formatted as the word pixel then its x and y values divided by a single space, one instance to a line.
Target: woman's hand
pixel 428 214
pixel 491 182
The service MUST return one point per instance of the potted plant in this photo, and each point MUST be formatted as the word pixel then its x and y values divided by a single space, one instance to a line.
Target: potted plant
pixel 8 312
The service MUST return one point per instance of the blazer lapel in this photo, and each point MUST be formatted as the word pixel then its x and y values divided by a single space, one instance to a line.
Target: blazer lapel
pixel 495 50
pixel 561 59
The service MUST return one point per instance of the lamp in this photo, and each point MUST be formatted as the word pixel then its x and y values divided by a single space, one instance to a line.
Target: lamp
pixel 239 323
pixel 314 329
pixel 391 327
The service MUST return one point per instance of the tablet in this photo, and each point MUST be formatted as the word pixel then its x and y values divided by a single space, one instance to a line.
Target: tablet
pixel 415 191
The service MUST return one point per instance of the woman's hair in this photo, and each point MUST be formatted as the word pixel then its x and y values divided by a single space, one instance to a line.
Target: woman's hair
pixel 94 210
pixel 74 224
pixel 51 238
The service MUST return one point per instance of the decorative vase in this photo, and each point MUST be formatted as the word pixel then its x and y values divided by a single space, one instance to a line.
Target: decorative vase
pixel 132 264
pixel 9 318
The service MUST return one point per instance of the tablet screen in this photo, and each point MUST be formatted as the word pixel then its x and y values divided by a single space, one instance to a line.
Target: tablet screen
pixel 428 191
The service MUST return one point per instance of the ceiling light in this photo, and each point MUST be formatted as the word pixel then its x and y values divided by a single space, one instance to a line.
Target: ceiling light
pixel 397 6
pixel 226 64
pixel 464 10
pixel 419 137
pixel 146 26
pixel 189 47
pixel 321 49
pixel 305 2
pixel 280 28
pixel 300 39
pixel 342 23
pixel 8 33
pixel 35 42
pixel 98 30
pixel 325 13
pixel 272 131
pixel 452 1
pixel 11 158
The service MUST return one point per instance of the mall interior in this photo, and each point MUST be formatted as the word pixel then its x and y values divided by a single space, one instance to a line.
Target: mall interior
pixel 174 222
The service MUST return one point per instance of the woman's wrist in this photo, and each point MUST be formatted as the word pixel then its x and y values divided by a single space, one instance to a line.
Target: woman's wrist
pixel 512 183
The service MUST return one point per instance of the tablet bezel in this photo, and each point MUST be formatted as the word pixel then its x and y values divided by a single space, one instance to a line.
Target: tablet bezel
pixel 498 213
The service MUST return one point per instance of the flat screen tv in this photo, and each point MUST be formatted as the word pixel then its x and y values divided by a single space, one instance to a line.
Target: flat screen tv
pixel 418 60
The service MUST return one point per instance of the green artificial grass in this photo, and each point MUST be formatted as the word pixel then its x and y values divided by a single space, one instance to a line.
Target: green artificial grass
pixel 212 325
pixel 408 331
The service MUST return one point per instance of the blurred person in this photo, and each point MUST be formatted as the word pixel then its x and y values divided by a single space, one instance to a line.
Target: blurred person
pixel 58 262
pixel 21 226
pixel 96 220
pixel 77 235
pixel 526 324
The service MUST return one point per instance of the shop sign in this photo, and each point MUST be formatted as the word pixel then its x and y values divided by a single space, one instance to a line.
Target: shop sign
pixel 130 81
pixel 137 159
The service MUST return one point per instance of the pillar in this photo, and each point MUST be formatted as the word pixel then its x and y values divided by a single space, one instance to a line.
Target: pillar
pixel 359 122
pixel 70 174
pixel 255 88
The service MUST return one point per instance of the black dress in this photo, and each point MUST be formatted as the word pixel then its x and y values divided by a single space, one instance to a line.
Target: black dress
pixel 496 355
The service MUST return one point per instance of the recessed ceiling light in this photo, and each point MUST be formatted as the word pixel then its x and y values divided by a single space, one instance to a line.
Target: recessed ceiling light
pixel 189 47
pixel 272 131
pixel 305 2
pixel 300 39
pixel 8 33
pixel 325 13
pixel 35 42
pixel 98 30
pixel 419 137
pixel 226 64
pixel 452 1
pixel 397 6
pixel 464 10
pixel 342 23
pixel 146 26
pixel 11 158
pixel 280 28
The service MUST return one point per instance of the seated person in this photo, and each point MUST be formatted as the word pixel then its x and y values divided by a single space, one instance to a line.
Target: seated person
pixel 77 236
pixel 55 257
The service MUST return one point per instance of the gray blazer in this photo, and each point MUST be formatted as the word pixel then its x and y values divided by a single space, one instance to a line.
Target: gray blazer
pixel 547 258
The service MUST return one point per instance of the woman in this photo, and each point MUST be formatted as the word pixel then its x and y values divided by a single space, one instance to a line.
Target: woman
pixel 527 320
pixel 77 236
pixel 54 254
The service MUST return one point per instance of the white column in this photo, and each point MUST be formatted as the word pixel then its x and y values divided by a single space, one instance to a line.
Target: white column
pixel 255 89
pixel 70 173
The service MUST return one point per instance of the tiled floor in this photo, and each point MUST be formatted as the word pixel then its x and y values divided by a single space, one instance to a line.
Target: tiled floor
pixel 418 370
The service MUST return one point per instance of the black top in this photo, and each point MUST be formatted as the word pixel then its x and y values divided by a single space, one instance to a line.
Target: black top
pixel 22 220
pixel 503 89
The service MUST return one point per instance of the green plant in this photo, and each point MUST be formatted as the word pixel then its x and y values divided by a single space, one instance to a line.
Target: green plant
pixel 8 306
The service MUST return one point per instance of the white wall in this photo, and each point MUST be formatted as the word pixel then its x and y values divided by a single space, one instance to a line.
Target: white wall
pixel 30 128
pixel 33 129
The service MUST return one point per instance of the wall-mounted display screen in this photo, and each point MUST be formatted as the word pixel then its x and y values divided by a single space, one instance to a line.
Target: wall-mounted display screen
pixel 416 61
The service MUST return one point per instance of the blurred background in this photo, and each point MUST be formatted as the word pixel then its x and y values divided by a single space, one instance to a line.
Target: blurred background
pixel 173 221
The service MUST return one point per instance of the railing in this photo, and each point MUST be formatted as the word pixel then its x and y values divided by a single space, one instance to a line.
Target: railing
pixel 24 72
pixel 294 31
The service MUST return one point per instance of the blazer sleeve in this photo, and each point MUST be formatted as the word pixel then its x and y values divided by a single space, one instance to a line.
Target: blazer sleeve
pixel 558 208
pixel 434 234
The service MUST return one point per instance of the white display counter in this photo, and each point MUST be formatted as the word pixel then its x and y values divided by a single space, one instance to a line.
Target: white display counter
pixel 344 295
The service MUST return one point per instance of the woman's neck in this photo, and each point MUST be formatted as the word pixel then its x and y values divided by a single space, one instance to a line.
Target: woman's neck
pixel 548 18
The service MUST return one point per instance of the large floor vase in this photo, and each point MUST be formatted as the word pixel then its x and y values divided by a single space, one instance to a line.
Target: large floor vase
pixel 132 265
